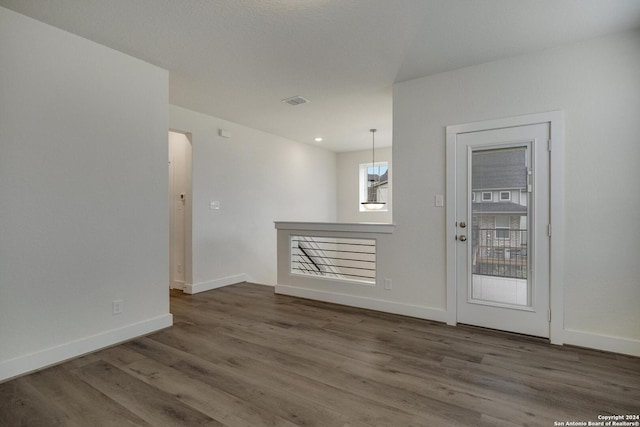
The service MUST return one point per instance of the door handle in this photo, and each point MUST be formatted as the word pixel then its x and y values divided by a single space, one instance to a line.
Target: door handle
pixel 462 238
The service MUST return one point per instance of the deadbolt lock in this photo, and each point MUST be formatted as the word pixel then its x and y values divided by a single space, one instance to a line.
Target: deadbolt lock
pixel 463 224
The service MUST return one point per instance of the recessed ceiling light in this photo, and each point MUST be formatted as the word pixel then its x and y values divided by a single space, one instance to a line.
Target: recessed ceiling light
pixel 317 139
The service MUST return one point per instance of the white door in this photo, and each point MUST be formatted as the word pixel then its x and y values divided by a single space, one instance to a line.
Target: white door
pixel 502 228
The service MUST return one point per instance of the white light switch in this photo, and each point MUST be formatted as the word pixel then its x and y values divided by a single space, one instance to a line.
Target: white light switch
pixel 214 205
pixel 439 202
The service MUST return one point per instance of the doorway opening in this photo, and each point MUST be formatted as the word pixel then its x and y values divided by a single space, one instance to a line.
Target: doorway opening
pixel 180 209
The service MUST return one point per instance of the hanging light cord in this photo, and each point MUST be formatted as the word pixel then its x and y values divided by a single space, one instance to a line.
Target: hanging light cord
pixel 373 157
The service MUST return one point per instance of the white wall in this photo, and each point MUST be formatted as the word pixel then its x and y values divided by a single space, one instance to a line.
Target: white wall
pixel 596 83
pixel 257 178
pixel 349 190
pixel 83 185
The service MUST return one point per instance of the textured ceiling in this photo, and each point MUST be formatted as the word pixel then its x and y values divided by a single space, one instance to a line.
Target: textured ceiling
pixel 236 59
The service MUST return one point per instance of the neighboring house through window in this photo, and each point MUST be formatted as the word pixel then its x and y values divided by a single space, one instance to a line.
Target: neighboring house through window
pixel 499 213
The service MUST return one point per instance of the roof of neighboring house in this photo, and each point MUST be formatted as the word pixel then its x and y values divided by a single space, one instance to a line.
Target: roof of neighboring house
pixel 384 178
pixel 498 207
pixel 499 169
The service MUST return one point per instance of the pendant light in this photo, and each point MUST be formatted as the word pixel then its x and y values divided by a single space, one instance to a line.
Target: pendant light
pixel 372 203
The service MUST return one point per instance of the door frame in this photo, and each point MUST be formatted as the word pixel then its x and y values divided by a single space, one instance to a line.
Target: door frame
pixel 556 214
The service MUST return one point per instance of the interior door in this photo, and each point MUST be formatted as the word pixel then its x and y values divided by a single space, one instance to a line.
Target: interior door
pixel 502 229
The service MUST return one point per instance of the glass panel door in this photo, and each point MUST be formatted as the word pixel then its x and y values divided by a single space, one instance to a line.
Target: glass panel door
pixel 502 217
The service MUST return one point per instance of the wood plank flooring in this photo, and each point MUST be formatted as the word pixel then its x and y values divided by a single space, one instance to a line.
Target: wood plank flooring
pixel 242 356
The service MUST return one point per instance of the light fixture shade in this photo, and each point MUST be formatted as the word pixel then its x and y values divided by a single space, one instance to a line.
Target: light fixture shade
pixel 373 205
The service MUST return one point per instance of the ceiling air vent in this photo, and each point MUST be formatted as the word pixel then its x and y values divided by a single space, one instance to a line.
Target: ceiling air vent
pixel 295 100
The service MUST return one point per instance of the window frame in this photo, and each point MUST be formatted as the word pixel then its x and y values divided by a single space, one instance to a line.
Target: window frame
pixel 490 193
pixel 497 228
pixel 508 199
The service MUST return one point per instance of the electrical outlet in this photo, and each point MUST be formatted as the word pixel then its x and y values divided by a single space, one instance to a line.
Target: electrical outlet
pixel 117 307
pixel 387 284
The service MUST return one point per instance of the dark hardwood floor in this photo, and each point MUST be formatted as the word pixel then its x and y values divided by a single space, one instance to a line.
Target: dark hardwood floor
pixel 242 356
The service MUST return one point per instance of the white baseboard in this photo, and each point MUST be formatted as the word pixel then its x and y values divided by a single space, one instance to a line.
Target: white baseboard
pixel 420 312
pixel 24 364
pixel 214 284
pixel 602 342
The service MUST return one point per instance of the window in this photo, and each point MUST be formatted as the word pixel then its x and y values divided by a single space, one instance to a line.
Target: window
pixel 473 196
pixel 487 196
pixel 505 196
pixel 502 227
pixel 374 182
